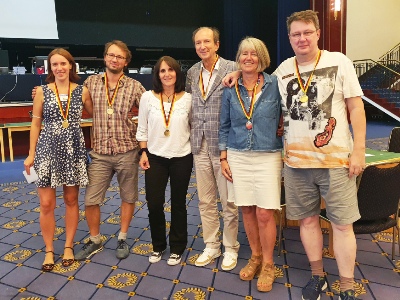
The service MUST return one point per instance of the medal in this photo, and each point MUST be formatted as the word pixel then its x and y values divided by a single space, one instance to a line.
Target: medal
pixel 64 114
pixel 304 98
pixel 111 100
pixel 249 125
pixel 167 120
pixel 248 114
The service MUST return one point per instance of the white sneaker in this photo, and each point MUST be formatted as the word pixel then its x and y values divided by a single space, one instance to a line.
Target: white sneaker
pixel 230 261
pixel 174 259
pixel 207 256
pixel 155 257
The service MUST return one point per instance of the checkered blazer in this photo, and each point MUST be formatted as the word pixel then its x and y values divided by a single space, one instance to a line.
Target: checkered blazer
pixel 205 113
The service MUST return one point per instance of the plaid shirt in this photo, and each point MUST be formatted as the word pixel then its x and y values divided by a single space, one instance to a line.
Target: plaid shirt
pixel 115 133
pixel 205 113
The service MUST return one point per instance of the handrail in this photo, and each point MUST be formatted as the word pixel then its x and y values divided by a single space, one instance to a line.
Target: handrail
pixel 382 65
pixel 395 48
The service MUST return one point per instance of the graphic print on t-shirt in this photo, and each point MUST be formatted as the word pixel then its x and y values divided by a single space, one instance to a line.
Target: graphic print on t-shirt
pixel 317 111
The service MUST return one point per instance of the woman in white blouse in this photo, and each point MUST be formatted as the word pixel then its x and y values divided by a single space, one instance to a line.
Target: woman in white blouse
pixel 163 135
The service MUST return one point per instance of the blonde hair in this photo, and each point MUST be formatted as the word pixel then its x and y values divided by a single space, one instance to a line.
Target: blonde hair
pixel 307 16
pixel 262 52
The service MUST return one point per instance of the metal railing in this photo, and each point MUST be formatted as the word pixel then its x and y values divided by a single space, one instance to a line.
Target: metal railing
pixel 392 54
pixel 378 74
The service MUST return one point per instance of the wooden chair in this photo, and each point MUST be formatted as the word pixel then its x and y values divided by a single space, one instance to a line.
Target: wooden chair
pixel 378 201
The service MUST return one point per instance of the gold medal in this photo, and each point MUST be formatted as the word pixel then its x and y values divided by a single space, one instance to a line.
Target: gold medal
pixel 110 111
pixel 64 114
pixel 304 98
pixel 166 132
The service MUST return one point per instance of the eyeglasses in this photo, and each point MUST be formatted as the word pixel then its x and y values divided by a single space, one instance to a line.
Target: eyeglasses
pixel 118 57
pixel 297 35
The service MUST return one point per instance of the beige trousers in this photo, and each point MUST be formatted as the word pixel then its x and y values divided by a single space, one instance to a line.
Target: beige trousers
pixel 210 181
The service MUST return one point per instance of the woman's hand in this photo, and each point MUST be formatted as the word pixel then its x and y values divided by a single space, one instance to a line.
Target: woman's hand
pixel 226 171
pixel 144 161
pixel 28 163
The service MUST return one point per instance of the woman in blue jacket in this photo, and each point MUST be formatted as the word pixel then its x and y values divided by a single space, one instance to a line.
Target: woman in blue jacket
pixel 251 155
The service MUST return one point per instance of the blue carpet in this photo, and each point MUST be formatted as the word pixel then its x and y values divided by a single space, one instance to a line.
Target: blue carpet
pixel 106 277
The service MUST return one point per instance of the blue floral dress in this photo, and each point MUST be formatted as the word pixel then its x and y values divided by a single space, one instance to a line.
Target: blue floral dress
pixel 61 157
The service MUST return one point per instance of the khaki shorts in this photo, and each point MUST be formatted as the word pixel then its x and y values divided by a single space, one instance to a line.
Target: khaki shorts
pixel 305 187
pixel 102 169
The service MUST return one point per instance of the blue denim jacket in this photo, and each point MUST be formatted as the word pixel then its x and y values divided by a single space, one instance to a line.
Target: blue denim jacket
pixel 233 133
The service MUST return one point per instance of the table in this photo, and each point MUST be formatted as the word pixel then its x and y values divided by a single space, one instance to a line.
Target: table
pixel 26 126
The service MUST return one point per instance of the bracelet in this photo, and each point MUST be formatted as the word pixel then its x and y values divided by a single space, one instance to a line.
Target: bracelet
pixel 143 150
pixel 222 159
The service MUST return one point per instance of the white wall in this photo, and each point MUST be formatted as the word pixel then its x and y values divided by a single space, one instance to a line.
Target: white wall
pixel 373 28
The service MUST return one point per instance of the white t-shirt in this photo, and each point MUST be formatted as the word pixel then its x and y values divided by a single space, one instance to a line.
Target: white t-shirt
pixel 317 132
pixel 151 125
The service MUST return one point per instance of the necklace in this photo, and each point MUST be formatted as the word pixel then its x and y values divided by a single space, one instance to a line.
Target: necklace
pixel 167 120
pixel 304 97
pixel 248 114
pixel 110 109
pixel 64 114
pixel 168 100
pixel 204 92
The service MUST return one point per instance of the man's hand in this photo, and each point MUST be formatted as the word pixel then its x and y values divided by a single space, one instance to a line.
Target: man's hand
pixel 34 92
pixel 230 79
pixel 356 163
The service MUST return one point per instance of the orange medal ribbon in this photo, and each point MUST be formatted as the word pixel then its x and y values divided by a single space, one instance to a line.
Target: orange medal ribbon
pixel 110 109
pixel 167 120
pixel 204 92
pixel 249 113
pixel 304 97
pixel 64 114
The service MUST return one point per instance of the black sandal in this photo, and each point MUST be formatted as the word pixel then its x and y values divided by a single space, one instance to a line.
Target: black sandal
pixel 48 267
pixel 69 261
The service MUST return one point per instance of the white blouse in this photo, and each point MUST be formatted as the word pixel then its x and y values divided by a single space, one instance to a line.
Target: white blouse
pixel 151 125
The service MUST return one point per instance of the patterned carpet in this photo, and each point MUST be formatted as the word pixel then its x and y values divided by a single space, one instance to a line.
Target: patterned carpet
pixel 106 277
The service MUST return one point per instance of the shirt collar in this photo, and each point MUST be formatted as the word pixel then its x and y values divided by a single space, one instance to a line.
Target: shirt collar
pixel 216 65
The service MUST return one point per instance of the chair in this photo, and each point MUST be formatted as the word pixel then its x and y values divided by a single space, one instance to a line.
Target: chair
pixel 394 140
pixel 378 201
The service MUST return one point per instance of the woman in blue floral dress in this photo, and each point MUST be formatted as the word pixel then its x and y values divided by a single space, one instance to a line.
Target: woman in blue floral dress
pixel 57 152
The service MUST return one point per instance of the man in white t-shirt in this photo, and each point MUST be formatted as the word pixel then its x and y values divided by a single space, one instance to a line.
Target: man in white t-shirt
pixel 320 95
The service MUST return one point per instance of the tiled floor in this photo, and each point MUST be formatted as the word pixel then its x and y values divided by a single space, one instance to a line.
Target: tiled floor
pixel 106 277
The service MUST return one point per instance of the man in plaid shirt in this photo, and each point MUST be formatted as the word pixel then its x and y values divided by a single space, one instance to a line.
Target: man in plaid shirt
pixel 114 95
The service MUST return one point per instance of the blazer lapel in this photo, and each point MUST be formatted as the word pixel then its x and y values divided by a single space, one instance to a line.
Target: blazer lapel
pixel 218 77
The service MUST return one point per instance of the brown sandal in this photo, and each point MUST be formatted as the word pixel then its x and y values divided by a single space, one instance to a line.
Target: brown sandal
pixel 266 278
pixel 252 268
pixel 48 267
pixel 66 262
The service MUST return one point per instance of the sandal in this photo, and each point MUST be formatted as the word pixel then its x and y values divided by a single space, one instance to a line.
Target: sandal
pixel 66 262
pixel 266 278
pixel 252 268
pixel 48 267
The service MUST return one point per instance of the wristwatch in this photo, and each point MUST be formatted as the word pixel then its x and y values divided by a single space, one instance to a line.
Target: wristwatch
pixel 143 150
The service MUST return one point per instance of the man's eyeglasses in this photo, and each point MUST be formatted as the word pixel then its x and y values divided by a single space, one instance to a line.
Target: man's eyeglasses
pixel 297 35
pixel 118 57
